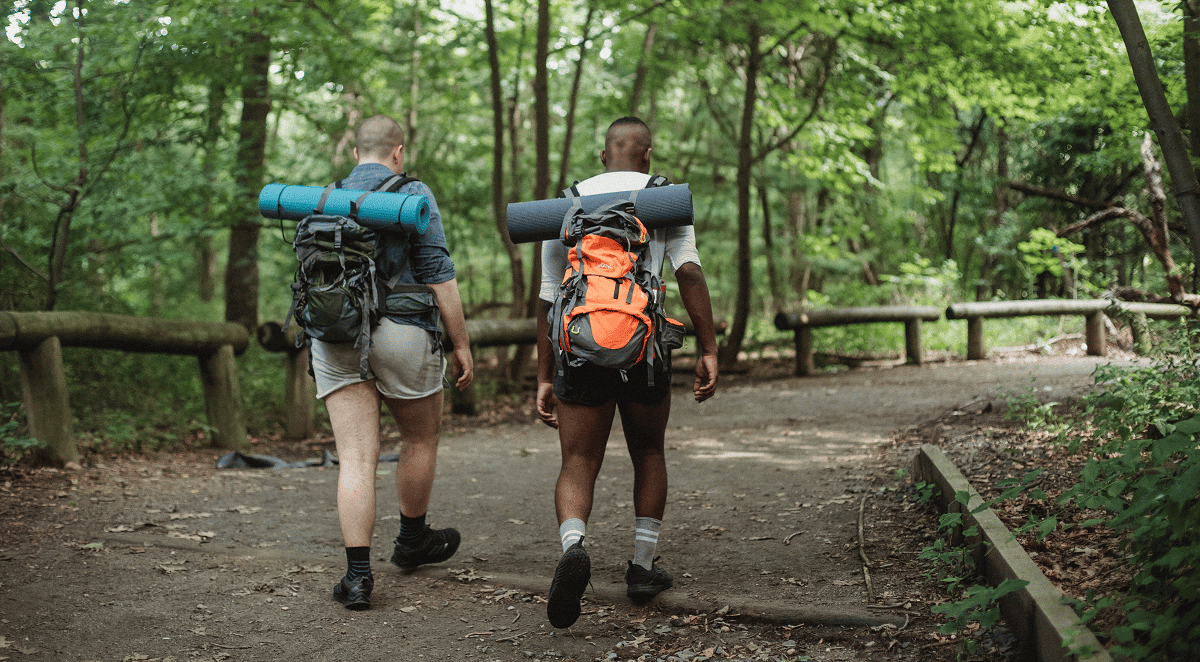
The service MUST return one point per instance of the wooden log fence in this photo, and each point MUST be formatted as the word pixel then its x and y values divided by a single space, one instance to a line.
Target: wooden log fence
pixel 300 390
pixel 1093 311
pixel 38 339
pixel 803 322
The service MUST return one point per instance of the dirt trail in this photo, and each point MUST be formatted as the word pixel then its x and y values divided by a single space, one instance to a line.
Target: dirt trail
pixel 165 557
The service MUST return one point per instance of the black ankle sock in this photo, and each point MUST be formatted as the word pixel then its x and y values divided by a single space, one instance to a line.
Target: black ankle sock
pixel 411 529
pixel 358 562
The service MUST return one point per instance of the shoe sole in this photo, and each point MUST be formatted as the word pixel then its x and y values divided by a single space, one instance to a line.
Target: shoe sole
pixel 359 603
pixel 411 568
pixel 570 579
pixel 644 592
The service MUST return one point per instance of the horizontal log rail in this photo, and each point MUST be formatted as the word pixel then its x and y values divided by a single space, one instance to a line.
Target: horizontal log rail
pixel 1093 311
pixel 38 339
pixel 803 322
pixel 300 391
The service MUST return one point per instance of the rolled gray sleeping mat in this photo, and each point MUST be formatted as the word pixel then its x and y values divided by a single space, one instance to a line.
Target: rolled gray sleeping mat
pixel 657 207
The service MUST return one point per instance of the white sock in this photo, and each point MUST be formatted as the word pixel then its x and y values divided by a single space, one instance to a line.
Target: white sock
pixel 571 532
pixel 645 541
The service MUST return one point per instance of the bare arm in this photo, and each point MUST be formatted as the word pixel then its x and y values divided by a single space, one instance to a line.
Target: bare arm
pixel 693 290
pixel 545 373
pixel 450 303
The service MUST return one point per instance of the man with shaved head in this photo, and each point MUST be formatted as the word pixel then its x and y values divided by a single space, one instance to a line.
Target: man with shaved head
pixel 581 401
pixel 406 372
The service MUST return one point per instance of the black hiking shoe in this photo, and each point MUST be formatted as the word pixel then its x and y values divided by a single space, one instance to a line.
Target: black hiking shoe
pixel 571 577
pixel 642 584
pixel 354 593
pixel 434 546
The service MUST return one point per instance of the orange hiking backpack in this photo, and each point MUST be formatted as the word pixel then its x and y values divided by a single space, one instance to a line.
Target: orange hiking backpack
pixel 609 307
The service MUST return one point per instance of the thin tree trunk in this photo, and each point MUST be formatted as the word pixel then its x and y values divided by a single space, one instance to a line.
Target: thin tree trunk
pixel 728 354
pixel 986 285
pixel 565 164
pixel 1191 66
pixel 643 69
pixel 66 212
pixel 516 265
pixel 241 269
pixel 414 90
pixel 1162 120
pixel 769 248
pixel 206 256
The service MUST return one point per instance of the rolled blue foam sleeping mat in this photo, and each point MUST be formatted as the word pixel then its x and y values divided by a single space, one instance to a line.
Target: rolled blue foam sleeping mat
pixel 658 207
pixel 378 211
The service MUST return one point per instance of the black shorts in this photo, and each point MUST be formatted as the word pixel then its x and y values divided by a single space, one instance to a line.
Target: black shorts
pixel 592 385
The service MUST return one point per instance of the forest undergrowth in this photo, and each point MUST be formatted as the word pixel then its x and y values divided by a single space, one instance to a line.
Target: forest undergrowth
pixel 1099 490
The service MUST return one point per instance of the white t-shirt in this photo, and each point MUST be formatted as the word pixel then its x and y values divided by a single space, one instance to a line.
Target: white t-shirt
pixel 676 243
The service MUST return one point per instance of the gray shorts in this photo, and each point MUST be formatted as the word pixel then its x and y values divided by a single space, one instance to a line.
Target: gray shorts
pixel 403 360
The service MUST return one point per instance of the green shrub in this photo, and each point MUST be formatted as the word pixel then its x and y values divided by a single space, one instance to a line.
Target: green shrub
pixel 1144 474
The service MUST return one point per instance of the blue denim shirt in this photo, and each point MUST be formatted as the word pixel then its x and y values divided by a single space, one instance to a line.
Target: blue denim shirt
pixel 429 258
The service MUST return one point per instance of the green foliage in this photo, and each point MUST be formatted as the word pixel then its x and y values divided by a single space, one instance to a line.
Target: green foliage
pixel 1144 474
pixel 1026 408
pixel 15 444
pixel 953 567
pixel 1046 252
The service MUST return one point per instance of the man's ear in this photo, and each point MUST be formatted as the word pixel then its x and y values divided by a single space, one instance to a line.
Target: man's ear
pixel 646 156
pixel 604 158
pixel 355 153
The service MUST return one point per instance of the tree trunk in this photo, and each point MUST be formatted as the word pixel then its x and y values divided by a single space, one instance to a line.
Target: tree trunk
pixel 777 298
pixel 1162 120
pixel 987 267
pixel 516 265
pixel 643 70
pixel 66 212
pixel 798 271
pixel 414 89
pixel 206 256
pixel 1191 65
pixel 728 354
pixel 241 269
pixel 565 164
pixel 541 103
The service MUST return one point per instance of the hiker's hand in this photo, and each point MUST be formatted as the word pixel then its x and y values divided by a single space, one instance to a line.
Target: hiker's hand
pixel 464 367
pixel 705 384
pixel 546 403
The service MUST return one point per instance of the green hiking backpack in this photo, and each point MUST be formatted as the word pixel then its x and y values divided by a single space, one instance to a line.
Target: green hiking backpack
pixel 337 295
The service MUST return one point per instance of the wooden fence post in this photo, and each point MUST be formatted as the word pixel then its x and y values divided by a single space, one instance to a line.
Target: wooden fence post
pixel 300 399
pixel 804 352
pixel 223 398
pixel 976 351
pixel 912 341
pixel 1096 345
pixel 44 389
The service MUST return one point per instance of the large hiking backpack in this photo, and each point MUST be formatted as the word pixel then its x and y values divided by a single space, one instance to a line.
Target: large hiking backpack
pixel 336 294
pixel 609 307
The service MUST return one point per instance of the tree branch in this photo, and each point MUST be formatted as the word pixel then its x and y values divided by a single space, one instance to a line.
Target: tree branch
pixel 1054 194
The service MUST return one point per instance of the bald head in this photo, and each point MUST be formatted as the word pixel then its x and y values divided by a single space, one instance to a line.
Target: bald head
pixel 627 146
pixel 379 139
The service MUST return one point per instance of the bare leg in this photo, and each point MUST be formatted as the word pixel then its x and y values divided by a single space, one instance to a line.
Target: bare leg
pixel 645 428
pixel 582 434
pixel 420 423
pixel 354 416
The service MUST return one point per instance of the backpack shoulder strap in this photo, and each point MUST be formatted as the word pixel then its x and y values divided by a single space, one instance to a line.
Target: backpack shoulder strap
pixel 658 180
pixel 396 182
